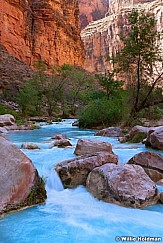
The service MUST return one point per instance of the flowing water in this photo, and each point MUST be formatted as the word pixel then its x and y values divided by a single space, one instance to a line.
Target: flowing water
pixel 74 216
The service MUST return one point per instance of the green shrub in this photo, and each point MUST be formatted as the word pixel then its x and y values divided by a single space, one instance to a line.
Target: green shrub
pixel 101 112
pixel 151 113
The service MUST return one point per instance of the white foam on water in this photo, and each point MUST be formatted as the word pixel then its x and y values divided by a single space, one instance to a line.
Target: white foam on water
pixel 54 182
pixel 74 215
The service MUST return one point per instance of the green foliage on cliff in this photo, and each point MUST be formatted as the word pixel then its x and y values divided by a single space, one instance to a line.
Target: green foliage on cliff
pixel 140 62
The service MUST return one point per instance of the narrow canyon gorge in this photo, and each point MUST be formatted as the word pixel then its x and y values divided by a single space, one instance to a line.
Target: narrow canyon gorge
pixel 102 37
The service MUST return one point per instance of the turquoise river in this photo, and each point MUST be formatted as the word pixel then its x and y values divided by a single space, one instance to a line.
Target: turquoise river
pixel 73 215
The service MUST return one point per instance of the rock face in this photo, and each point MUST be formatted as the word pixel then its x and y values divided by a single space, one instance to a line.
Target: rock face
pixel 6 120
pixel 88 146
pixel 74 172
pixel 42 29
pixel 101 37
pixel 151 162
pixel 20 184
pixel 155 138
pixel 125 185
pixel 110 132
pixel 116 5
pixel 92 10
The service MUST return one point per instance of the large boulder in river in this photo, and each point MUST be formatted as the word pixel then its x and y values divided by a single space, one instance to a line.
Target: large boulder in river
pixel 151 162
pixel 110 132
pixel 155 138
pixel 29 146
pixel 62 143
pixel 138 129
pixel 125 185
pixel 7 120
pixel 137 134
pixel 88 146
pixel 20 184
pixel 74 172
pixel 60 137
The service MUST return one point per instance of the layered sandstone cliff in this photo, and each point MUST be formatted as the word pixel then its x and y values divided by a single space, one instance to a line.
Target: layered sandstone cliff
pixel 102 38
pixel 91 10
pixel 42 29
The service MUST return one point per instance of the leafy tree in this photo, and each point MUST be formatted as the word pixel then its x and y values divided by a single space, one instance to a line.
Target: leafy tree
pixel 28 98
pixel 140 61
pixel 105 107
pixel 58 90
pixel 109 84
pixel 79 83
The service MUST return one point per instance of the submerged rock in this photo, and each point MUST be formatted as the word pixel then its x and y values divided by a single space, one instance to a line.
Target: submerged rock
pixel 74 172
pixel 110 132
pixel 7 120
pixel 20 184
pixel 75 123
pixel 88 146
pixel 125 185
pixel 151 162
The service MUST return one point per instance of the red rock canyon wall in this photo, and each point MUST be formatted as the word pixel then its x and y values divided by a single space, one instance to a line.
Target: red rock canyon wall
pixel 101 37
pixel 42 29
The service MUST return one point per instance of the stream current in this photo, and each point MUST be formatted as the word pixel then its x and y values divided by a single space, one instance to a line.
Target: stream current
pixel 73 215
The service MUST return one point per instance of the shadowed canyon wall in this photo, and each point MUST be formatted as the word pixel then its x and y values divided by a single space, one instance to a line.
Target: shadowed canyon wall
pixel 101 37
pixel 42 29
pixel 91 10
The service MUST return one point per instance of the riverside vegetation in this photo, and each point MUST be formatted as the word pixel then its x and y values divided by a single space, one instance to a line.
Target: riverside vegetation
pixel 133 89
